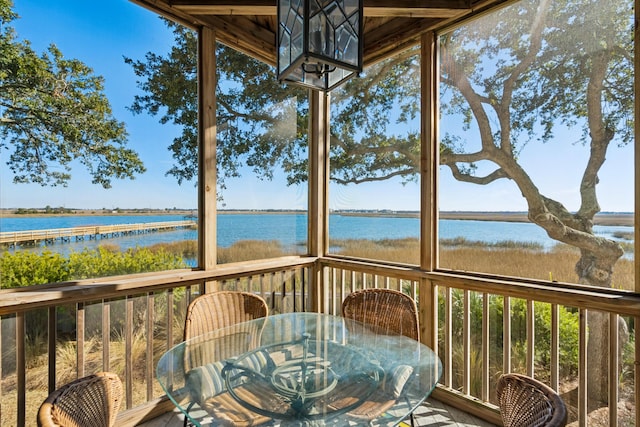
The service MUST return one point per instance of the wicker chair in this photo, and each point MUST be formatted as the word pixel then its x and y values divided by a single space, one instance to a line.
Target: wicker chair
pixel 220 309
pixel 91 401
pixel 208 313
pixel 383 311
pixel 526 402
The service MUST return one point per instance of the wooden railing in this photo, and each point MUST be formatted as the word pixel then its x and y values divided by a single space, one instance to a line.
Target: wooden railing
pixel 52 334
pixel 479 326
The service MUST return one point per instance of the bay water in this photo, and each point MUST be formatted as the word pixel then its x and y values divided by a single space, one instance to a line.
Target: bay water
pixel 289 229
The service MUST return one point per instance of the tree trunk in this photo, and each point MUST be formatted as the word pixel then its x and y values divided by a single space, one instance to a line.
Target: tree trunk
pixel 596 270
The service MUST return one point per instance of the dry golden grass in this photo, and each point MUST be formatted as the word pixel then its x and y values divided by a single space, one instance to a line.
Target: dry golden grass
pixel 244 250
pixel 503 258
pixel 398 250
pixel 247 250
pixel 183 248
pixel 557 265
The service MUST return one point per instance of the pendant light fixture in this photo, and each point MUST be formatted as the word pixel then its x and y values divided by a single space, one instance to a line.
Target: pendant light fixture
pixel 319 42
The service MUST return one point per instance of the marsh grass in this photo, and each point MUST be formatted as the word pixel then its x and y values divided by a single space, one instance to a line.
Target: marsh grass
pixel 475 370
pixel 244 250
pixel 507 258
pixel 624 235
pixel 502 244
pixel 183 248
pixel 400 250
pixel 627 247
pixel 247 250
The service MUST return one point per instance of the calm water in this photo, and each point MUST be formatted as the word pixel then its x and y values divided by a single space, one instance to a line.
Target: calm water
pixel 291 229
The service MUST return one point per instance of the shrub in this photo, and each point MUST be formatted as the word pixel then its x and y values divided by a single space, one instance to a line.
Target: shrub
pixel 26 268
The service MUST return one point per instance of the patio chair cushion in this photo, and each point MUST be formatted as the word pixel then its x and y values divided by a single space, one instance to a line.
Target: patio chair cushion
pixel 383 398
pixel 394 383
pixel 348 358
pixel 207 381
pixel 377 403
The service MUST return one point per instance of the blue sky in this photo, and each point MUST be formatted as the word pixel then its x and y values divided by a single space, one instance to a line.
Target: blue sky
pixel 102 36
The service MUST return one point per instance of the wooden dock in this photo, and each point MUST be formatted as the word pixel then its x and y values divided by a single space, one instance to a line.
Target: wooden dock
pixel 90 232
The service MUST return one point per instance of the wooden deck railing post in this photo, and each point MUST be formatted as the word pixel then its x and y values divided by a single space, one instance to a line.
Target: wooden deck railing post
pixel 149 366
pixel 21 371
pixel 106 335
pixel 80 336
pixel 128 353
pixel 485 347
pixel 52 338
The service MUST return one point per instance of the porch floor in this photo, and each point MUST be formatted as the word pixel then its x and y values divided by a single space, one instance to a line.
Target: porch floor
pixel 431 413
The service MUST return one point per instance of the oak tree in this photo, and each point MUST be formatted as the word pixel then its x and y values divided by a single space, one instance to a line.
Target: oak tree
pixel 53 111
pixel 517 76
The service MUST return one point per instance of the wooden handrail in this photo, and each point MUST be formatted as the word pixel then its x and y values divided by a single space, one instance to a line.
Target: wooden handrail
pixel 40 296
pixel 602 299
pixel 20 299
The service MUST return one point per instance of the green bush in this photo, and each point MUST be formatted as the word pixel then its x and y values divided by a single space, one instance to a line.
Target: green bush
pixel 26 268
pixel 568 335
pixel 104 262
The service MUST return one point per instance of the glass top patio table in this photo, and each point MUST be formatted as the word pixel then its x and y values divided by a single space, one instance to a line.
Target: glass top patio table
pixel 299 369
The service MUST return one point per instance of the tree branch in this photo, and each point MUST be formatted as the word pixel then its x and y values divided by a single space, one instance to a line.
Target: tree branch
pixel 373 178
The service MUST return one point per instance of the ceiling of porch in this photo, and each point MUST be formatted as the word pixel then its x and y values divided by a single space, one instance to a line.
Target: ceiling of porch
pixel 250 25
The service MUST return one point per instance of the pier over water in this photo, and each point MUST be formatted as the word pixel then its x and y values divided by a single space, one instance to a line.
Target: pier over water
pixel 87 232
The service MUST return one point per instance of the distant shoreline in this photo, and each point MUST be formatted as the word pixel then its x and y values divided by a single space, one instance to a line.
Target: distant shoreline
pixel 606 219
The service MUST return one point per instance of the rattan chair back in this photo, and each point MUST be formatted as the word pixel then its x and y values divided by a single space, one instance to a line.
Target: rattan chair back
pixel 221 309
pixel 208 313
pixel 91 401
pixel 526 402
pixel 384 311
